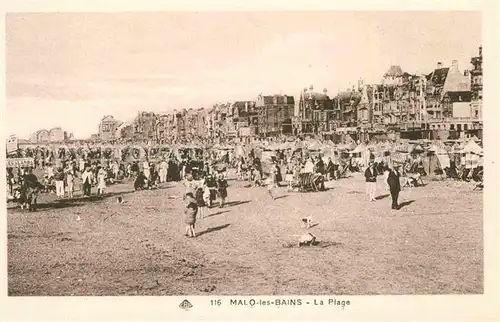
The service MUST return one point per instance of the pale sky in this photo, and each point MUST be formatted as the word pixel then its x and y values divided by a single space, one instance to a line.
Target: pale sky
pixel 69 69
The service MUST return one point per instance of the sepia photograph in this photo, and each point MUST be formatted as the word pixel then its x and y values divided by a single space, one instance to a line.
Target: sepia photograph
pixel 245 153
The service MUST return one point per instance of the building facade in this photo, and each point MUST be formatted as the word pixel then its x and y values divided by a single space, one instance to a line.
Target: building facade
pixel 245 118
pixel 315 111
pixel 56 134
pixel 275 113
pixel 108 128
pixel 145 126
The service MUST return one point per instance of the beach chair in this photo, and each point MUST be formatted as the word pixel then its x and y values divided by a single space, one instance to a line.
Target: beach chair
pixel 343 171
pixel 305 182
pixel 414 180
pixel 311 182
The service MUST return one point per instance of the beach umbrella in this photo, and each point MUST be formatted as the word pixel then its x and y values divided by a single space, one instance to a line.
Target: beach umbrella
pixel 472 147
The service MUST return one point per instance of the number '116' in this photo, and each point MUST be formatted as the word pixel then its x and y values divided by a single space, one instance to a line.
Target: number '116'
pixel 216 302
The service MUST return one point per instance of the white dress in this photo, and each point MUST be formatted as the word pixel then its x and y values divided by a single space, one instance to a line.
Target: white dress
pixel 101 181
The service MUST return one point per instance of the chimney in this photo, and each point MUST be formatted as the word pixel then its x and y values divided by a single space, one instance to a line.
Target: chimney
pixel 480 51
pixel 454 64
pixel 439 65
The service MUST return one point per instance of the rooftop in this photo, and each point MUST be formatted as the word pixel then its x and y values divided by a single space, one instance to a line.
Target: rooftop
pixel 394 70
pixel 438 76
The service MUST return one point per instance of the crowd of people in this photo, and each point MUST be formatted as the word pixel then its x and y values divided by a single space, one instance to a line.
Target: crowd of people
pixel 203 172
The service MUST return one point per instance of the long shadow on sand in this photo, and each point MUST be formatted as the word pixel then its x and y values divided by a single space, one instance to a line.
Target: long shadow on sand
pixel 217 213
pixel 47 206
pixel 235 203
pixel 74 202
pixel 164 187
pixel 406 203
pixel 280 197
pixel 382 197
pixel 209 230
pixel 58 204
pixel 95 197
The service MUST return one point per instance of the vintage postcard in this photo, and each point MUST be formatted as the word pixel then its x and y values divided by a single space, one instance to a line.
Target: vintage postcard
pixel 252 162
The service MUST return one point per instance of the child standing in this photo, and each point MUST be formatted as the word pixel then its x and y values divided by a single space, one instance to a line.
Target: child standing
pixel 190 213
pixel 70 178
pixel 101 181
pixel 270 185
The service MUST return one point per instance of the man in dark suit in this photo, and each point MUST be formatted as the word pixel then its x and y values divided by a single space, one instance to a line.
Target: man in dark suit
pixel 394 185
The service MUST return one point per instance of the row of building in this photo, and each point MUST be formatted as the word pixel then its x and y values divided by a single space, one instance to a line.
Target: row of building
pixel 56 134
pixel 445 102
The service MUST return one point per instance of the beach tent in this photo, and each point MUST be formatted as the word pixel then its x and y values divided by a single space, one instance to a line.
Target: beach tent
pixel 437 158
pixel 361 155
pixel 472 147
pixel 314 145
pixel 473 154
pixel 400 152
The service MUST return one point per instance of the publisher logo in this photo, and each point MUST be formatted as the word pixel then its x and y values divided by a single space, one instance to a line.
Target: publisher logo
pixel 186 305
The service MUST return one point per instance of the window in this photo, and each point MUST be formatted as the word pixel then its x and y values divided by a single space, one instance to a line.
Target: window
pixel 476 113
pixel 466 127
